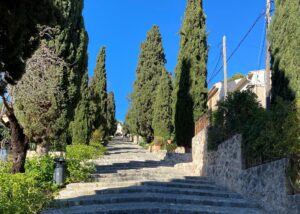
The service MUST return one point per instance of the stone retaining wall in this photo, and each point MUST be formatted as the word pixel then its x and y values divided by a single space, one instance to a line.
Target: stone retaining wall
pixel 266 184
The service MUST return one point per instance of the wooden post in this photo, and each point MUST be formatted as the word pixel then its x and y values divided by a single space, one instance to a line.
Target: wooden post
pixel 225 67
pixel 268 57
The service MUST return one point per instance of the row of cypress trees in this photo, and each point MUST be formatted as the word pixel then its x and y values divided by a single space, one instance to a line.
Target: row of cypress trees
pixel 70 109
pixel 161 107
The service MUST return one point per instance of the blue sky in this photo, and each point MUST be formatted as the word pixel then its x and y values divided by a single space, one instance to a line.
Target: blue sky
pixel 121 26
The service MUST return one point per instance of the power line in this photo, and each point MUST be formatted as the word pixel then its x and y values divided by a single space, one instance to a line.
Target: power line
pixel 262 45
pixel 239 44
pixel 216 66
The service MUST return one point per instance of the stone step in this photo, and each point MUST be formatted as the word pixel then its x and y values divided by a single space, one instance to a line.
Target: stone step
pixel 169 190
pixel 183 184
pixel 152 208
pixel 169 178
pixel 156 197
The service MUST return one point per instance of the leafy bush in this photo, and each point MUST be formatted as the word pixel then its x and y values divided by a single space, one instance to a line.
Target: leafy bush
pixel 79 167
pixel 41 168
pixel 233 114
pixel 266 135
pixel 22 193
pixel 144 144
pixel 171 147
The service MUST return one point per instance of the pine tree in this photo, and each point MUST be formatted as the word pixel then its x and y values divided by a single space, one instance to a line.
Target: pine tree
pixel 111 114
pixel 99 94
pixel 148 72
pixel 162 118
pixel 284 37
pixel 190 89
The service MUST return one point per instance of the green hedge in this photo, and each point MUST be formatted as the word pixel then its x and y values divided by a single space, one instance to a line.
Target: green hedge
pixel 30 192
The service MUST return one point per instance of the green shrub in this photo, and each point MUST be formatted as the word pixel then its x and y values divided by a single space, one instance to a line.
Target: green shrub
pixel 171 147
pixel 22 194
pixel 233 114
pixel 79 171
pixel 79 167
pixel 41 168
pixel 5 167
pixel 266 134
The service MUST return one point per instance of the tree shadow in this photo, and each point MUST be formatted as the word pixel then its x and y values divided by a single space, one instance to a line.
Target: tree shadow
pixel 281 84
pixel 184 195
pixel 184 122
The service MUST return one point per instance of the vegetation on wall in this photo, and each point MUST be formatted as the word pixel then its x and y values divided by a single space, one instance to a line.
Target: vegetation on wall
pixel 266 134
pixel 190 88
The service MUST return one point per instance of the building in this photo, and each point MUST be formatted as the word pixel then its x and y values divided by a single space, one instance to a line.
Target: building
pixel 119 129
pixel 254 81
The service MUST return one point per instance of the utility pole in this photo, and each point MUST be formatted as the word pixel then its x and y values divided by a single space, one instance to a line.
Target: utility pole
pixel 268 57
pixel 225 67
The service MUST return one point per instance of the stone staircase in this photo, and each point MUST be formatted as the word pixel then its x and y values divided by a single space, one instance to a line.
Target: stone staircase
pixel 131 180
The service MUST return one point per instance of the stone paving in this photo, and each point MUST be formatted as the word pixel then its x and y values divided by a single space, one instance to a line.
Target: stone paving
pixel 131 180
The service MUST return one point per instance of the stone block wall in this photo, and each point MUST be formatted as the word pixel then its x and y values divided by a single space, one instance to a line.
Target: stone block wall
pixel 266 184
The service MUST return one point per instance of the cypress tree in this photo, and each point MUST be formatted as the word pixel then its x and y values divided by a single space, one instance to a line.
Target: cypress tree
pixel 162 118
pixel 99 94
pixel 148 72
pixel 190 88
pixel 284 37
pixel 81 127
pixel 19 37
pixel 111 114
pixel 68 42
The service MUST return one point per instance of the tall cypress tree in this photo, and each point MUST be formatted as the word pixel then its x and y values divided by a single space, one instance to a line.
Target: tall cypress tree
pixel 148 72
pixel 81 127
pixel 68 41
pixel 162 118
pixel 111 114
pixel 99 94
pixel 284 37
pixel 190 89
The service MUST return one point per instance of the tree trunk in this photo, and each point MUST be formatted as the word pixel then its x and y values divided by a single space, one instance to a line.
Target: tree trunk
pixel 19 144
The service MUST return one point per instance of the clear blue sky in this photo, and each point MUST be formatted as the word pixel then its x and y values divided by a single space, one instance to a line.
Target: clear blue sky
pixel 121 26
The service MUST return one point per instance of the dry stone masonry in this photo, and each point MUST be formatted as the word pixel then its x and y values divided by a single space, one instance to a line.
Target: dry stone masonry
pixel 132 180
pixel 266 184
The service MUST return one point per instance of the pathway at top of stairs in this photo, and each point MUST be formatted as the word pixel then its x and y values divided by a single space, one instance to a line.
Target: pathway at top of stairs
pixel 132 180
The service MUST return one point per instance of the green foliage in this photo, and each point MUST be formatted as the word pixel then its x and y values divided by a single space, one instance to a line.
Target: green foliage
pixel 29 192
pixel 22 193
pixel 20 23
pixel 111 114
pixel 236 112
pixel 149 69
pixel 41 169
pixel 284 36
pixel 98 90
pixel 39 98
pixel 130 123
pixel 50 89
pixel 162 116
pixel 236 77
pixel 171 147
pixel 190 87
pixel 81 127
pixel 79 167
pixel 98 137
pixel 266 135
